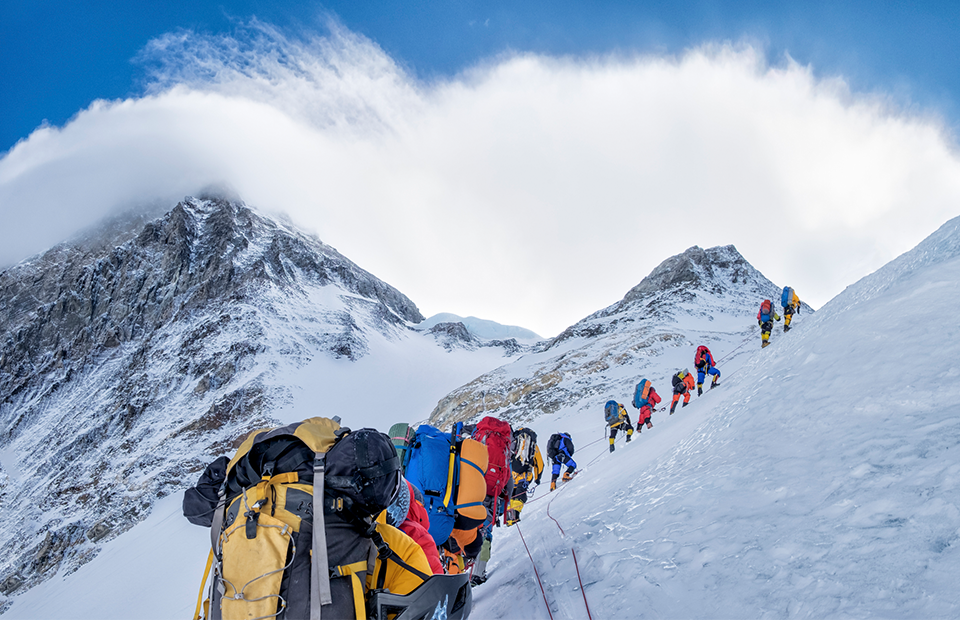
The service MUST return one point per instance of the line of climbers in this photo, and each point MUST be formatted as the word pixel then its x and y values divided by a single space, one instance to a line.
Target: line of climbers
pixel 790 303
pixel 406 522
pixel 645 397
pixel 314 520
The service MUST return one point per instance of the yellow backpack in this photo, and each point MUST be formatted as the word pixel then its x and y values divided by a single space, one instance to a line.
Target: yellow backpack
pixel 273 554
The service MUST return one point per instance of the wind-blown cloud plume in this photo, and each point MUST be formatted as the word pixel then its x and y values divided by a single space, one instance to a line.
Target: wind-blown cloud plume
pixel 530 190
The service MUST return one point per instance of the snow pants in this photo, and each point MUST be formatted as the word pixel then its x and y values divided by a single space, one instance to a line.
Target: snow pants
pixel 646 412
pixel 788 313
pixel 702 373
pixel 765 330
pixel 623 424
pixel 558 465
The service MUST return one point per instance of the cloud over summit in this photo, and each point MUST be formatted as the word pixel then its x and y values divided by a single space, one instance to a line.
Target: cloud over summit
pixel 530 190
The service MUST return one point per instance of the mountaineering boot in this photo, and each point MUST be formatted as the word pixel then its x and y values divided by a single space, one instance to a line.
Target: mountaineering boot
pixel 685 403
pixel 673 407
pixel 714 384
pixel 629 437
pixel 612 448
pixel 699 389
pixel 786 328
pixel 765 343
pixel 553 485
pixel 476 580
pixel 567 476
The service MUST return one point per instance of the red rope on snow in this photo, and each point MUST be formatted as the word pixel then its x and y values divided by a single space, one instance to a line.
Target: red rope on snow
pixel 575 563
pixel 582 591
pixel 554 520
pixel 535 572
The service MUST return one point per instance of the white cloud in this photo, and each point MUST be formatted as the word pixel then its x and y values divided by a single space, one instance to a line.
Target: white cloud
pixel 530 190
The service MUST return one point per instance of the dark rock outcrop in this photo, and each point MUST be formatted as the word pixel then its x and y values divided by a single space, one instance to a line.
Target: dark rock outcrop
pixel 133 353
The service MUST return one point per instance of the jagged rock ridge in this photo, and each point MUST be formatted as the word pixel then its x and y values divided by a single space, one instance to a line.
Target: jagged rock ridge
pixel 128 358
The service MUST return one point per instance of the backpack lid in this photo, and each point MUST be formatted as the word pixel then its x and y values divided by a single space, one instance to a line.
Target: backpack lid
pixel 363 469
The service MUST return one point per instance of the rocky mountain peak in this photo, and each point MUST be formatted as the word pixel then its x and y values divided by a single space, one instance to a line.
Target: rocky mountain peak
pixel 714 269
pixel 695 278
pixel 133 352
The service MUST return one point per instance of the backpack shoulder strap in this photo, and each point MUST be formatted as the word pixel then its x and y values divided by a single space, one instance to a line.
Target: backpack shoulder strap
pixel 320 577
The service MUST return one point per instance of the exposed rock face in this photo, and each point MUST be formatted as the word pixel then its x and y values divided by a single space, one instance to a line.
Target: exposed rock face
pixel 455 335
pixel 693 296
pixel 131 357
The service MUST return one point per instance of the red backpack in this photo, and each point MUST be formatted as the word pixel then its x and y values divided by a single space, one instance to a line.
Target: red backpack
pixel 701 357
pixel 498 437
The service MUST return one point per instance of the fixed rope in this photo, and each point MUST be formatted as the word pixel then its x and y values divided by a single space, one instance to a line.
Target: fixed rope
pixel 535 572
pixel 575 563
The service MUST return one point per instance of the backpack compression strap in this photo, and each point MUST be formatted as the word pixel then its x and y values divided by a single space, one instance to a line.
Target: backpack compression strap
pixel 320 575
pixel 352 570
pixel 384 552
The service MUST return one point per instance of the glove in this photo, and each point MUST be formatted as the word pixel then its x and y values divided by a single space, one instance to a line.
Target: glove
pixel 759 322
pixel 531 489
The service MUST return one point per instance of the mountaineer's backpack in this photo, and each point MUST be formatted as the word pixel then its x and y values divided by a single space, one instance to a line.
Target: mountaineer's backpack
pixel 525 447
pixel 786 297
pixel 642 394
pixel 611 412
pixel 498 437
pixel 700 359
pixel 553 446
pixel 402 436
pixel 765 310
pixel 292 528
pixel 449 471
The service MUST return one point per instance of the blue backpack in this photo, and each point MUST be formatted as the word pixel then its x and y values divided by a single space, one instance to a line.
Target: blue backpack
pixel 766 310
pixel 433 466
pixel 786 297
pixel 611 411
pixel 642 392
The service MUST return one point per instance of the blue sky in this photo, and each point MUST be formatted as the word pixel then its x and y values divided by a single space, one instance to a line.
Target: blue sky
pixel 483 157
pixel 58 56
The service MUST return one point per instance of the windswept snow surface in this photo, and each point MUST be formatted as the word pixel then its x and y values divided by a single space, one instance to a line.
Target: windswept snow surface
pixel 820 480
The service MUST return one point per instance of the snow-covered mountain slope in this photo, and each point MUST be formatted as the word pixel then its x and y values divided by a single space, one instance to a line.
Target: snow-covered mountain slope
pixel 698 297
pixel 821 480
pixel 133 356
pixel 483 328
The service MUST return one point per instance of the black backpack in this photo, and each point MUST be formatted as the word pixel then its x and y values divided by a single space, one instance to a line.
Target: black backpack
pixel 556 440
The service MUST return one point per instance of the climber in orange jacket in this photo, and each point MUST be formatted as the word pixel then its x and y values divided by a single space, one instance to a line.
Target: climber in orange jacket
pixel 683 382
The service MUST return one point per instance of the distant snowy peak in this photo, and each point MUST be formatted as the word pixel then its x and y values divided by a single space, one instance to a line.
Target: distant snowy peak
pixel 697 297
pixel 717 270
pixel 697 282
pixel 482 328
